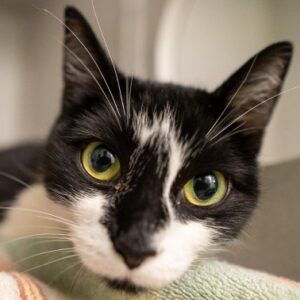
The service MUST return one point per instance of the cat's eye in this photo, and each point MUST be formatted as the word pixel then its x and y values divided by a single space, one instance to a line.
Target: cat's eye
pixel 206 189
pixel 100 162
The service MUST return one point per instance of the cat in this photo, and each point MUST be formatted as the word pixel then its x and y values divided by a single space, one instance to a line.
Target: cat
pixel 153 175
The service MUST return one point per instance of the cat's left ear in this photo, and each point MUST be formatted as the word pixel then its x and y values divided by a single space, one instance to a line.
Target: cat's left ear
pixel 87 67
pixel 251 92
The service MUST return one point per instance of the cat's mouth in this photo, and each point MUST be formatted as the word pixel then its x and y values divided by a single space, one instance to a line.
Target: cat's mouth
pixel 124 286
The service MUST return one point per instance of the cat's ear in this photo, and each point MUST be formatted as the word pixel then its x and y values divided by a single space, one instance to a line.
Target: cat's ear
pixel 87 68
pixel 251 92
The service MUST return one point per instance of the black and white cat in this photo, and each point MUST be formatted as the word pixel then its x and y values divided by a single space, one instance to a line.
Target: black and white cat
pixel 150 176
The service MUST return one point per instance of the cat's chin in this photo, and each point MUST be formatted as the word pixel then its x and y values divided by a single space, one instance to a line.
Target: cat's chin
pixel 124 286
pixel 119 277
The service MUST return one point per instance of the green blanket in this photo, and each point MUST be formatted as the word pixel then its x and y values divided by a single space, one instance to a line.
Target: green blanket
pixel 205 280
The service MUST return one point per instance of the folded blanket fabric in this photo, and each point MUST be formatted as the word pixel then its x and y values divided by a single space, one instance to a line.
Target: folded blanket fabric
pixel 60 271
pixel 18 286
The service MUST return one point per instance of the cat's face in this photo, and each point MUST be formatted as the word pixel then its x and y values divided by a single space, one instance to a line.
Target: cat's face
pixel 156 174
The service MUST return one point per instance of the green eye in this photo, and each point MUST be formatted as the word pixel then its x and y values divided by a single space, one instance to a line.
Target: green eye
pixel 99 162
pixel 206 189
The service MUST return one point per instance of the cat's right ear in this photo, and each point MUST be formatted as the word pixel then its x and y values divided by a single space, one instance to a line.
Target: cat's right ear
pixel 87 69
pixel 251 92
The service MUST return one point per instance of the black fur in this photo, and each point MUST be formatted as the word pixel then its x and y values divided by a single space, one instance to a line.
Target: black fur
pixel 136 210
pixel 19 166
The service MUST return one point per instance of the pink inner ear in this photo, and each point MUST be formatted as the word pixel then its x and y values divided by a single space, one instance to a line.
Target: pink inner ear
pixel 251 92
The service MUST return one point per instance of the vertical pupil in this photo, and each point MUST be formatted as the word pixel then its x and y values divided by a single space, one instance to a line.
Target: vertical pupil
pixel 101 159
pixel 205 186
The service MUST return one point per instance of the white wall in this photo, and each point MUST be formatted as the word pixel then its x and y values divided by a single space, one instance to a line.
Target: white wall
pixel 12 70
pixel 31 58
pixel 201 42
pixel 283 140
pixel 32 74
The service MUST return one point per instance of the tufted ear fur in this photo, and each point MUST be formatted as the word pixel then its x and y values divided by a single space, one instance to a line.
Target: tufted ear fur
pixel 87 68
pixel 251 92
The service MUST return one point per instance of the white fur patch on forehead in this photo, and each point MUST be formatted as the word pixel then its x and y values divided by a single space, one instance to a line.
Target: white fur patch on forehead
pixel 150 130
pixel 161 133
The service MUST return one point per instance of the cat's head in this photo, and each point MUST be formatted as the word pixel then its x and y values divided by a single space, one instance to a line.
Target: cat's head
pixel 156 174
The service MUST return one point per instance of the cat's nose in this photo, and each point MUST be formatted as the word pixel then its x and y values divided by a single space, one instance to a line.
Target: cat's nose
pixel 133 253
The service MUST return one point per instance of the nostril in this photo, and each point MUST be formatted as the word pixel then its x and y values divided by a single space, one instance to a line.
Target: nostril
pixel 133 261
pixel 133 255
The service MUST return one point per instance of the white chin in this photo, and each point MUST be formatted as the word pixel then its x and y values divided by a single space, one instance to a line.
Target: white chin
pixel 155 272
pixel 177 246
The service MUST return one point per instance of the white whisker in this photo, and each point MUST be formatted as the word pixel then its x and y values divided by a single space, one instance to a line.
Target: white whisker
pixel 37 235
pixel 93 76
pixel 87 51
pixel 76 278
pixel 51 262
pixel 129 99
pixel 56 240
pixel 233 96
pixel 69 249
pixel 43 214
pixel 63 271
pixel 15 179
pixel 234 132
pixel 252 108
pixel 109 54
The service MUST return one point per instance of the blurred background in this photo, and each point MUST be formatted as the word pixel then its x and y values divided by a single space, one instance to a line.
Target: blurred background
pixel 194 42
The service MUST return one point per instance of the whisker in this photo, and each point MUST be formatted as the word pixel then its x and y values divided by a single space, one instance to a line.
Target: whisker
pixel 233 96
pixel 237 127
pixel 37 235
pixel 63 271
pixel 254 107
pixel 51 262
pixel 69 249
pixel 22 167
pixel 15 179
pixel 44 214
pixel 76 278
pixel 87 51
pixel 59 229
pixel 126 89
pixel 129 101
pixel 222 122
pixel 234 132
pixel 109 54
pixel 47 241
pixel 93 76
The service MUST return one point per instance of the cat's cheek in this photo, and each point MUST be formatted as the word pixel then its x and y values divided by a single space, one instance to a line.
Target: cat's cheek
pixel 91 239
pixel 97 254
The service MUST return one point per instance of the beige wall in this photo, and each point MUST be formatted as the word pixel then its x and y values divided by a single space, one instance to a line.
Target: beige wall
pixel 33 90
pixel 12 70
pixel 201 42
pixel 31 59
pixel 198 42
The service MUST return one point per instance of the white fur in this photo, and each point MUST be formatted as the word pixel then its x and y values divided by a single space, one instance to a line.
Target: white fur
pixel 33 213
pixel 177 245
pixel 162 130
